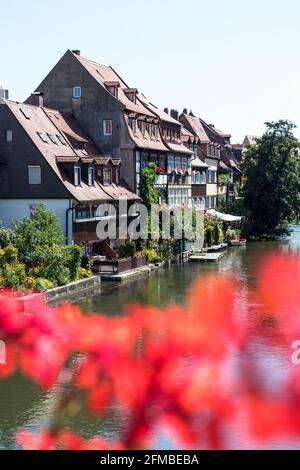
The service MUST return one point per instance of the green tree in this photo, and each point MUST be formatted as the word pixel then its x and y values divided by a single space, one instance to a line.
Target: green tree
pixel 272 181
pixel 149 194
pixel 43 230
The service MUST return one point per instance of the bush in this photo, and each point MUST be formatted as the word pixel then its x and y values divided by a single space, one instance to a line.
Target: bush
pixel 152 255
pixel 209 235
pixel 39 284
pixel 74 255
pixel 166 250
pixel 85 273
pixel 128 250
pixel 14 274
pixel 6 237
pixel 51 263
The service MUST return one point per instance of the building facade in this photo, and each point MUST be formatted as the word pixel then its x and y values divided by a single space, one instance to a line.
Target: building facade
pixel 45 156
pixel 121 122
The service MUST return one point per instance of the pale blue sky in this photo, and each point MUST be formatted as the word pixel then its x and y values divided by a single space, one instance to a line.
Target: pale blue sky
pixel 235 63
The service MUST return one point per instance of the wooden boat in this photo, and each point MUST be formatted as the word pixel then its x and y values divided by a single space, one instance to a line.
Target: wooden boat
pixel 241 242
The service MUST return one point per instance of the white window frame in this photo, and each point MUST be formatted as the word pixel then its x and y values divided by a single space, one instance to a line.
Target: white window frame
pixel 77 175
pixel 77 92
pixel 107 127
pixel 34 179
pixel 91 175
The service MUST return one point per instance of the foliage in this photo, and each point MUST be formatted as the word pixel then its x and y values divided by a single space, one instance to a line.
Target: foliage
pixel 149 194
pixel 224 178
pixel 74 257
pixel 128 250
pixel 130 364
pixel 272 181
pixel 152 255
pixel 38 284
pixel 42 230
pixel 209 235
pixel 6 237
pixel 33 254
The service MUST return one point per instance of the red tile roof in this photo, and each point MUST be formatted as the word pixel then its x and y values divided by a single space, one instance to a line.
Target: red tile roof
pixel 104 74
pixel 41 120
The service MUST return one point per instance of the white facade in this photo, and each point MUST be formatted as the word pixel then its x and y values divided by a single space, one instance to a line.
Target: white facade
pixel 17 209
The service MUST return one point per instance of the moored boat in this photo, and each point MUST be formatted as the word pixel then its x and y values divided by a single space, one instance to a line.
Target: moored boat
pixel 241 242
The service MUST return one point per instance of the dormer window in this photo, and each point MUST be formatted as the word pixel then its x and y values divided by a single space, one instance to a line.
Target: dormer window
pixel 112 90
pixel 132 123
pixel 107 177
pixel 112 87
pixel 77 174
pixel 91 175
pixel 131 94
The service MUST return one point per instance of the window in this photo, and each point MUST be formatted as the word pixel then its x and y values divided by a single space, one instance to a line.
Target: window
pixel 185 163
pixel 171 165
pixel 132 123
pixel 107 176
pixel 52 138
pixel 25 113
pixel 77 92
pixel 42 137
pixel 34 174
pixel 91 175
pixel 9 136
pixel 177 163
pixel 107 127
pixel 77 175
pixel 61 139
pixel 203 177
pixel 82 212
pixel 112 90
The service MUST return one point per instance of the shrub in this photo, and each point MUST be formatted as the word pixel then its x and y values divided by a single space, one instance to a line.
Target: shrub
pixel 127 250
pixel 14 274
pixel 51 263
pixel 152 255
pixel 209 235
pixel 6 237
pixel 85 273
pixel 39 284
pixel 74 255
pixel 10 254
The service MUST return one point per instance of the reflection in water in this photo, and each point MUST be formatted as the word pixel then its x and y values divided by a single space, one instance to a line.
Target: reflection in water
pixel 23 405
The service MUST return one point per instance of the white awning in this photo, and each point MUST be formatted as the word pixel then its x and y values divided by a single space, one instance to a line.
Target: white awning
pixel 224 217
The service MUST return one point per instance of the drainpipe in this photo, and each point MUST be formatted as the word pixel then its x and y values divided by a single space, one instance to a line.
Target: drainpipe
pixel 67 223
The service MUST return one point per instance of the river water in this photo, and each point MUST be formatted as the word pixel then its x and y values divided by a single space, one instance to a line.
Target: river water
pixel 22 405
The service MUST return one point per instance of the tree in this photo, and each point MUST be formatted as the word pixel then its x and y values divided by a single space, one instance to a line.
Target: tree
pixel 149 194
pixel 43 230
pixel 272 180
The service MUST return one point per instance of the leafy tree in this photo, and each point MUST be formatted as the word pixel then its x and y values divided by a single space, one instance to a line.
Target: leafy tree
pixel 149 194
pixel 272 181
pixel 43 230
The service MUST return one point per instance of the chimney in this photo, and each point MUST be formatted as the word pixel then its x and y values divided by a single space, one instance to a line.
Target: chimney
pixel 185 111
pixel 191 113
pixel 174 114
pixel 4 94
pixel 166 110
pixel 76 51
pixel 36 99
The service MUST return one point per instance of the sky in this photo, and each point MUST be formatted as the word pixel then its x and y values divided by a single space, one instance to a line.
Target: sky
pixel 234 63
